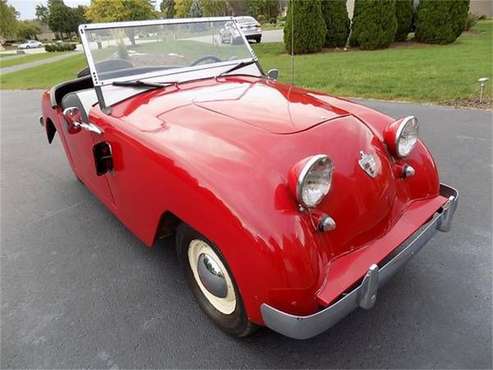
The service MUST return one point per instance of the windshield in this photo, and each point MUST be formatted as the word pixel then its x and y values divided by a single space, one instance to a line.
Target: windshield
pixel 137 50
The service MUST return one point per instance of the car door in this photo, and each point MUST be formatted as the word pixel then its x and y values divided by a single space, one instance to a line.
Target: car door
pixel 80 142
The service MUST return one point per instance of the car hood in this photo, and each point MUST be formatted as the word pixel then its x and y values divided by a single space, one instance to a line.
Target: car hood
pixel 275 107
pixel 255 102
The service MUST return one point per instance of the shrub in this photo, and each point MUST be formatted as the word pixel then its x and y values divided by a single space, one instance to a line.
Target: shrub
pixel 441 22
pixel 374 24
pixel 306 23
pixel 471 21
pixel 60 47
pixel 404 14
pixel 337 22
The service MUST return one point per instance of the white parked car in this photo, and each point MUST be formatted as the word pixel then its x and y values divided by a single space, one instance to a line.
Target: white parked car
pixel 250 28
pixel 30 44
pixel 247 25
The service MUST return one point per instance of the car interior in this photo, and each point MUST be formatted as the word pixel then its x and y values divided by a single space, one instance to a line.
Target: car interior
pixel 80 92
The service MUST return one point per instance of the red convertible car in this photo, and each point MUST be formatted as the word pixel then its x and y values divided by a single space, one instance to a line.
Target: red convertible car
pixel 290 207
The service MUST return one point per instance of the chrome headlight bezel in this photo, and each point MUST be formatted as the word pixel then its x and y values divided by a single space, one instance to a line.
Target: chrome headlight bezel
pixel 407 123
pixel 304 176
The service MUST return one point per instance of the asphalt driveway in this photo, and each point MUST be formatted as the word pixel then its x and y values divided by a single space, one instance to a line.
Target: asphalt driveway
pixel 80 291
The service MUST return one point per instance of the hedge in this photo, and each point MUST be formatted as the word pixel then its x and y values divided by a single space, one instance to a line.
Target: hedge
pixel 374 24
pixel 307 25
pixel 60 47
pixel 441 22
pixel 404 14
pixel 337 22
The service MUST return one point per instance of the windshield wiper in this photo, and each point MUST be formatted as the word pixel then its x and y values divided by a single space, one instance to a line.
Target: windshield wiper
pixel 236 67
pixel 140 83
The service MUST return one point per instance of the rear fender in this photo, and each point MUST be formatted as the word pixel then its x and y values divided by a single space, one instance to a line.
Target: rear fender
pixel 49 117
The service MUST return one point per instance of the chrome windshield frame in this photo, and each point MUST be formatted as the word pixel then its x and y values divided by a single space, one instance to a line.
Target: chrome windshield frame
pixel 99 26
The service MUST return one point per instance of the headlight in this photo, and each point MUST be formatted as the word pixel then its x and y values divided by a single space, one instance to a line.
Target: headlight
pixel 401 136
pixel 310 179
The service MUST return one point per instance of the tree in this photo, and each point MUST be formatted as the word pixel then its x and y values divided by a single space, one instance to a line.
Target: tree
pixel 106 11
pixel 374 24
pixel 42 13
pixel 182 8
pixel 441 22
pixel 404 14
pixel 269 9
pixel 337 22
pixel 195 9
pixel 305 27
pixel 215 8
pixel 238 7
pixel 59 17
pixel 120 10
pixel 8 20
pixel 167 8
pixel 137 10
pixel 27 30
pixel 77 17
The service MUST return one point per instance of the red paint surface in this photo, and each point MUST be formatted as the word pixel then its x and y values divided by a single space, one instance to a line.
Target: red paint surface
pixel 219 159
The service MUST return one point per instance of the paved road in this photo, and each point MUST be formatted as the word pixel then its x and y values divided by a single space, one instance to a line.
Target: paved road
pixel 78 290
pixel 20 67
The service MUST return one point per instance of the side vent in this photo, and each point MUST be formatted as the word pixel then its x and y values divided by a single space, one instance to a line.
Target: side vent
pixel 103 158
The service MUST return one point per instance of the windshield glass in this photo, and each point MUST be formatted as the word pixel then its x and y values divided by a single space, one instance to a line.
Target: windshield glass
pixel 130 50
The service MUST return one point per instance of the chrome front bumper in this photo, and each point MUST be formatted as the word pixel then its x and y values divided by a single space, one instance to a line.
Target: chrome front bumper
pixel 365 295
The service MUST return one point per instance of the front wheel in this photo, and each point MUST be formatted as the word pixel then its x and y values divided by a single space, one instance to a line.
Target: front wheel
pixel 211 282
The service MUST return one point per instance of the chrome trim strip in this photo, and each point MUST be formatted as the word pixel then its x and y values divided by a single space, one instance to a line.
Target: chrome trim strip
pixel 304 327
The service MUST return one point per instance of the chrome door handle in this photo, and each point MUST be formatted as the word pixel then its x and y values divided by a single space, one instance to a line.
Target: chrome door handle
pixel 91 127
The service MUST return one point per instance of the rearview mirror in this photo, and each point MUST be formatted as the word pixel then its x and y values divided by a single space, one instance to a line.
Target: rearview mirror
pixel 273 74
pixel 73 118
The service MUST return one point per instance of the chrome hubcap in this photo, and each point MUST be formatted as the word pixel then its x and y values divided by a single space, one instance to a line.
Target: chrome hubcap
pixel 211 276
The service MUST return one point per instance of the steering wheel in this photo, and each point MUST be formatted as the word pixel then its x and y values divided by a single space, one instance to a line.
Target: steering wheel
pixel 107 66
pixel 213 58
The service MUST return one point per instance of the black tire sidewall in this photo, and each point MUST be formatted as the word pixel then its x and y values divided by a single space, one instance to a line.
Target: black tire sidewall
pixel 236 323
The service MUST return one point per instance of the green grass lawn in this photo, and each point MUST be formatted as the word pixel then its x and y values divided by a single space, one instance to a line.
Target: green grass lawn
pixel 27 58
pixel 44 76
pixel 408 71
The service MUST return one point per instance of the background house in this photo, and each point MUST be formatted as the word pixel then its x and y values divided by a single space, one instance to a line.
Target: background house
pixel 477 7
pixel 482 8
